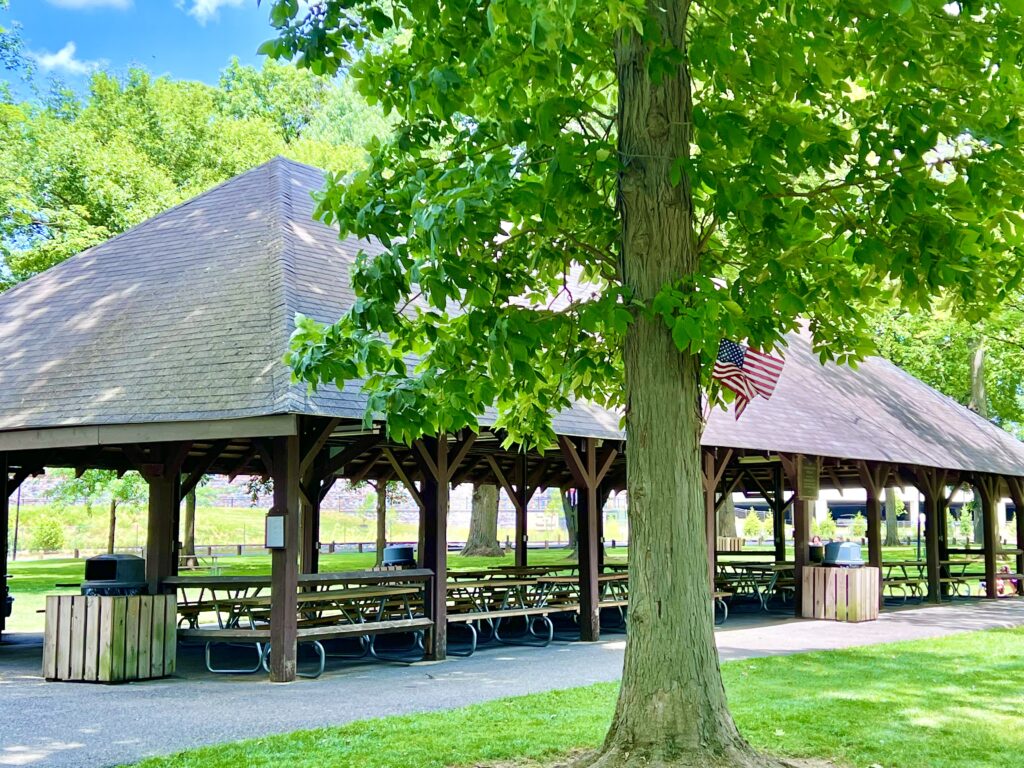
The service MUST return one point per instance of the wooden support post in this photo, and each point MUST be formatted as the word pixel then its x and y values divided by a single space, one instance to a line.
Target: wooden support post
pixel 588 470
pixel 434 492
pixel 873 477
pixel 284 563
pixel 932 483
pixel 710 516
pixel 161 537
pixel 1016 488
pixel 988 492
pixel 522 500
pixel 802 511
pixel 586 526
pixel 5 510
pixel 309 528
pixel 779 515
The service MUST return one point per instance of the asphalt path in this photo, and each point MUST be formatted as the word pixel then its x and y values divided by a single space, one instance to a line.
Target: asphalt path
pixel 84 725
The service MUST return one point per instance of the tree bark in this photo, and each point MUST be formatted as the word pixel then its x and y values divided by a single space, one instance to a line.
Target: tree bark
pixel 727 517
pixel 382 519
pixel 569 511
pixel 892 536
pixel 483 523
pixel 672 708
pixel 112 527
pixel 188 544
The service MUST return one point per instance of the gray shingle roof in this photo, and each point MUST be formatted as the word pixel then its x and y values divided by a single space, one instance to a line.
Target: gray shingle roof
pixel 186 318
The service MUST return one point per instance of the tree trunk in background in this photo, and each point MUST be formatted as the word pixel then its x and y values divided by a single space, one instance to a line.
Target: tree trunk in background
pixel 188 544
pixel 569 511
pixel 727 517
pixel 382 519
pixel 672 709
pixel 112 528
pixel 979 404
pixel 482 540
pixel 892 536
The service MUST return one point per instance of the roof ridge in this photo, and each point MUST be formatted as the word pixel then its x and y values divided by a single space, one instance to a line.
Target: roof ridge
pixel 285 399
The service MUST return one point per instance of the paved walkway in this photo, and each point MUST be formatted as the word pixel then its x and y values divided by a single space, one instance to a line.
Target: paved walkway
pixel 54 724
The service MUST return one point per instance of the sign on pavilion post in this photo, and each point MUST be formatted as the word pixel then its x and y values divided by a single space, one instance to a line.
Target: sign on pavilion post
pixel 808 478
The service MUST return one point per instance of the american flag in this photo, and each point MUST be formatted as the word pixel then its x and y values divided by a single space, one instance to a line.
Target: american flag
pixel 746 372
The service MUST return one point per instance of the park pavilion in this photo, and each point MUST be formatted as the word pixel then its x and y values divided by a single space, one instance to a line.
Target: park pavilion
pixel 160 351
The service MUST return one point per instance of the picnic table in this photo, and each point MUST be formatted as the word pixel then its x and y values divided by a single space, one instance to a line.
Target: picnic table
pixel 491 602
pixel 907 576
pixel 758 580
pixel 357 605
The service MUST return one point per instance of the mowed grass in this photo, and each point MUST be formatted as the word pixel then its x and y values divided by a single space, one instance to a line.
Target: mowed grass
pixel 945 703
pixel 34 579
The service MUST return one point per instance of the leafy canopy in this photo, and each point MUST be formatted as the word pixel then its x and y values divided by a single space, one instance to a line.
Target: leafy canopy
pixel 75 171
pixel 845 156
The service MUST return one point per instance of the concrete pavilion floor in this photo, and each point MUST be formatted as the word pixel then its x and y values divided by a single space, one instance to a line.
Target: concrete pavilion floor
pixel 75 724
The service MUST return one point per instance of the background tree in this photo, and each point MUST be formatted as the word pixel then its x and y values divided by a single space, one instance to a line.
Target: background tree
pixel 482 539
pixel 893 509
pixel 386 493
pixel 100 486
pixel 77 170
pixel 604 190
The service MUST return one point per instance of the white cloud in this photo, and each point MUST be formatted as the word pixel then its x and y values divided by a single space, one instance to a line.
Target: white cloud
pixel 90 4
pixel 205 10
pixel 64 61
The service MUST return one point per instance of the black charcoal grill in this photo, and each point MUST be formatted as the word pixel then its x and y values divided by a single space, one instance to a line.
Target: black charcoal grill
pixel 399 555
pixel 115 575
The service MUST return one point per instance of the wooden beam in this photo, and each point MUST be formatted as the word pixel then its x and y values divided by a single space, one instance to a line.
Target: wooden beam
pixel 351 452
pixel 202 466
pixel 410 486
pixel 284 563
pixel 435 544
pixel 584 469
pixel 321 433
pixel 5 495
pixel 873 476
pixel 988 490
pixel 932 483
pixel 1015 485
pixel 459 455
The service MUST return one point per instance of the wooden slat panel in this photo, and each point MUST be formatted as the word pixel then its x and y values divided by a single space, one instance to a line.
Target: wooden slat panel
pixel 77 652
pixel 64 638
pixel 145 641
pixel 118 607
pixel 131 639
pixel 50 637
pixel 92 638
pixel 170 634
pixel 156 637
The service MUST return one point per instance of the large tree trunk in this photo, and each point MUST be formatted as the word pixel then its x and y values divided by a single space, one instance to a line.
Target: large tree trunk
pixel 188 544
pixel 569 511
pixel 483 523
pixel 672 708
pixel 892 536
pixel 979 404
pixel 726 515
pixel 112 527
pixel 382 519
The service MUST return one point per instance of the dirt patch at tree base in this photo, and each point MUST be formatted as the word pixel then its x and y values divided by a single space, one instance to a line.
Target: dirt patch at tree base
pixel 569 760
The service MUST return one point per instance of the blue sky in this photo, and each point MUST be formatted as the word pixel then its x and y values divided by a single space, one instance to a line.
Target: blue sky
pixel 189 39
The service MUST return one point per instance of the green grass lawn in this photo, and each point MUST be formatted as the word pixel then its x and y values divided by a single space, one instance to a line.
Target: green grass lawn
pixel 946 703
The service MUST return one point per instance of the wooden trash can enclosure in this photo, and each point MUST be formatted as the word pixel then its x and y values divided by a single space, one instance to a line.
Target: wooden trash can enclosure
pixel 729 544
pixel 109 639
pixel 840 594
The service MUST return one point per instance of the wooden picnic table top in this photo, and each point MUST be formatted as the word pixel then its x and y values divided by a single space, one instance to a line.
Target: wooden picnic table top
pixel 307 579
pixel 492 583
pixel 576 579
pixel 331 595
pixel 764 567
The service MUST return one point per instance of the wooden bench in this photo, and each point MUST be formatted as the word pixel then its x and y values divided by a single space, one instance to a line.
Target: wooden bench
pixel 260 639
pixel 494 618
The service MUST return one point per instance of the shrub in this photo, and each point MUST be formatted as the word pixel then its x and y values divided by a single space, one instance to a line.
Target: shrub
pixel 47 534
pixel 752 525
pixel 827 527
pixel 769 525
pixel 859 526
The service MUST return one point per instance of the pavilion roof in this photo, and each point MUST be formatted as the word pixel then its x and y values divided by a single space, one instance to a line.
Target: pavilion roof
pixel 186 318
